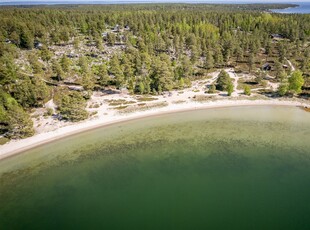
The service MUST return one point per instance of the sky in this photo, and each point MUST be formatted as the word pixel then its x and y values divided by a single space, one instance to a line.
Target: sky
pixel 188 1
pixel 256 1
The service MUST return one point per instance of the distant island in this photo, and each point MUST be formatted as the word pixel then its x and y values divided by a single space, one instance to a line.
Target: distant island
pixel 84 65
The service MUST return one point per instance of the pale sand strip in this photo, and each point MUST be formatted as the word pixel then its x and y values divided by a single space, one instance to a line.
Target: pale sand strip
pixel 17 146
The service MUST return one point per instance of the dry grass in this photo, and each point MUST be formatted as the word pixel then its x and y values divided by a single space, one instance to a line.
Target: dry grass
pixel 119 102
pixel 203 98
pixel 121 107
pixel 253 85
pixel 94 106
pixel 178 102
pixel 3 140
pixel 146 99
pixel 138 108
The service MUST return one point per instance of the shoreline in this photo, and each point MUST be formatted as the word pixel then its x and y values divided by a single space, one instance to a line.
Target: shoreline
pixel 16 147
pixel 280 11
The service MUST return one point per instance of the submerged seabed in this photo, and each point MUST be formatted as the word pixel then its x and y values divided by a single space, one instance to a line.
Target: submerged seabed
pixel 229 168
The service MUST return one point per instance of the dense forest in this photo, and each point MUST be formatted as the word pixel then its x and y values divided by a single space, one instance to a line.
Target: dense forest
pixel 65 53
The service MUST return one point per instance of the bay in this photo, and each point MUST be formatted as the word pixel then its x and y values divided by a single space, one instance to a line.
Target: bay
pixel 302 8
pixel 225 168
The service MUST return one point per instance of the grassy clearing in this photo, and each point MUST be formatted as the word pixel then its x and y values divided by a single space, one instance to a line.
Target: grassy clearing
pixel 252 84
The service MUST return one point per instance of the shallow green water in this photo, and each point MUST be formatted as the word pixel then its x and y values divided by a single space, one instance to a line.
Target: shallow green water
pixel 230 168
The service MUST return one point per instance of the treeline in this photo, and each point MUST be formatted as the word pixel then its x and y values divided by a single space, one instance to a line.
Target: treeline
pixel 144 48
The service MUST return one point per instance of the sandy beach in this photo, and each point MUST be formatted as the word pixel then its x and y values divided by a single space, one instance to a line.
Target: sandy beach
pixel 18 146
pixel 106 109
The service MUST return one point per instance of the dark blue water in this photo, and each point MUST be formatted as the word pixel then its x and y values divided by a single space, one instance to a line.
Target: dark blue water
pixel 303 8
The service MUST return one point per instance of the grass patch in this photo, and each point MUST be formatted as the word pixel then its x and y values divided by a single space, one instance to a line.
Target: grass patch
pixel 252 84
pixel 94 106
pixel 147 99
pixel 203 98
pixel 119 102
pixel 250 98
pixel 3 140
pixel 121 107
pixel 178 102
pixel 138 108
pixel 35 116
pixel 93 113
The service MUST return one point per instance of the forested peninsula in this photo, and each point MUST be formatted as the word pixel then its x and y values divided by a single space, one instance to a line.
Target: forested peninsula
pixel 54 60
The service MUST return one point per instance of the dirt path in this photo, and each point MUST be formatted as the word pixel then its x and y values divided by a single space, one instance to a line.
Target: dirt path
pixel 233 75
pixel 291 65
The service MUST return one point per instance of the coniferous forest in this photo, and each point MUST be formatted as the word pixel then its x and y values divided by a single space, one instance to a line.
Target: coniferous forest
pixel 65 53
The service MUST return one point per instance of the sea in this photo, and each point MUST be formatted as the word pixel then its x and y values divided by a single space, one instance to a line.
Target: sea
pixel 222 168
pixel 303 7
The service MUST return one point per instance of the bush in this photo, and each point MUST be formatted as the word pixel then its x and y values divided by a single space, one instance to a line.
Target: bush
pixel 283 89
pixel 212 89
pixel 247 90
pixel 230 89
pixel 223 81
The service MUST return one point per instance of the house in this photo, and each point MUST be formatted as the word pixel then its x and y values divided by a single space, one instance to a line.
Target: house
pixel 38 45
pixel 93 55
pixel 72 55
pixel 266 67
pixel 104 34
pixel 76 87
pixel 277 36
pixel 116 28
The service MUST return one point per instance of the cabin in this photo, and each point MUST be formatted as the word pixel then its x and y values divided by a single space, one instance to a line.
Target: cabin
pixel 57 116
pixel 276 36
pixel 76 87
pixel 266 67
pixel 72 55
pixel 38 45
pixel 93 55
pixel 116 28
pixel 104 34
